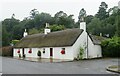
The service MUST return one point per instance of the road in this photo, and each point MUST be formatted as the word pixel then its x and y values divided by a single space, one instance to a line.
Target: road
pixel 96 66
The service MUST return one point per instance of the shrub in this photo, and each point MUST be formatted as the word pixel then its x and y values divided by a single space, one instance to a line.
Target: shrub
pixel 81 52
pixel 111 47
pixel 14 42
pixel 39 54
pixel 7 51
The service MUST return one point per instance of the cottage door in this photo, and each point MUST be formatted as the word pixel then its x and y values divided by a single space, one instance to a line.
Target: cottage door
pixel 23 53
pixel 51 52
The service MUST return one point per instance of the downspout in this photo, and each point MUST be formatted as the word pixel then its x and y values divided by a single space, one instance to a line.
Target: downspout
pixel 87 45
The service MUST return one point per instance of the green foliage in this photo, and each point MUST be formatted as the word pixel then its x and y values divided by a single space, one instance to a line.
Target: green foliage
pixel 94 26
pixel 39 53
pixel 33 31
pixel 102 14
pixel 81 52
pixel 111 47
pixel 5 37
pixel 13 29
pixel 14 41
pixel 118 25
pixel 88 19
pixel 62 18
pixel 57 27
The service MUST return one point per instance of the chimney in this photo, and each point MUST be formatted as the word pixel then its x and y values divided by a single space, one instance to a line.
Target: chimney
pixel 47 30
pixel 25 33
pixel 83 26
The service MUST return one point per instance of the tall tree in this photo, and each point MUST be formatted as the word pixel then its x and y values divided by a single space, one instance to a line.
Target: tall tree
pixel 33 13
pixel 102 13
pixel 88 19
pixel 82 15
pixel 62 18
pixel 117 22
pixel 94 26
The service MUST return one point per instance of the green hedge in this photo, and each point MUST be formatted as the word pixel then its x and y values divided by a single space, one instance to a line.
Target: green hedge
pixel 111 47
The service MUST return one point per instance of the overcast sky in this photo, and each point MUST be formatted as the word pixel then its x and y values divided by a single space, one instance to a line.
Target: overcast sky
pixel 21 8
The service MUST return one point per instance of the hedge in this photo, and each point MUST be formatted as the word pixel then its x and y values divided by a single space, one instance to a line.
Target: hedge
pixel 7 51
pixel 111 47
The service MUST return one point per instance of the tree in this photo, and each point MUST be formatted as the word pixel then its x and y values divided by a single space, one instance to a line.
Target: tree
pixel 57 27
pixel 33 31
pixel 113 10
pixel 33 13
pixel 102 14
pixel 62 18
pixel 5 37
pixel 118 26
pixel 82 15
pixel 41 19
pixel 88 19
pixel 94 27
pixel 60 14
pixel 8 31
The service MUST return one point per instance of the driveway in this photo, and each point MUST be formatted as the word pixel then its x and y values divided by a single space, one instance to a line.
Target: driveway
pixel 96 66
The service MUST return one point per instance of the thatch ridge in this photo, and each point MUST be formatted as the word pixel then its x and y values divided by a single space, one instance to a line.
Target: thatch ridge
pixel 53 39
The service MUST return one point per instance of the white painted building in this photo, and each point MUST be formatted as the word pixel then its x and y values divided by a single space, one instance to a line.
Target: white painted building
pixel 63 44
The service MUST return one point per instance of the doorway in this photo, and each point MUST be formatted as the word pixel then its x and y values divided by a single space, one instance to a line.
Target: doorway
pixel 23 52
pixel 51 52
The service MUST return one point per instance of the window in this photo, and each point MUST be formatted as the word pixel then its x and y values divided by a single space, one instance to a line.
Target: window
pixel 63 51
pixel 30 50
pixel 18 51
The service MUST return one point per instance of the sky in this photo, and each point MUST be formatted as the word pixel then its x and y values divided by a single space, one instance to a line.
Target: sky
pixel 22 8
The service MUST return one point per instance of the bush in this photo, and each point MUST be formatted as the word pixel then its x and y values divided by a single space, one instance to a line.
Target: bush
pixel 111 47
pixel 7 51
pixel 14 42
pixel 39 54
pixel 57 27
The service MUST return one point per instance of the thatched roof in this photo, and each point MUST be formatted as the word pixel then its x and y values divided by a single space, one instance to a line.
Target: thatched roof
pixel 53 39
pixel 97 39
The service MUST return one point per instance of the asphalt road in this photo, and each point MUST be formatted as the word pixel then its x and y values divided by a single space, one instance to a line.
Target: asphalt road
pixel 97 66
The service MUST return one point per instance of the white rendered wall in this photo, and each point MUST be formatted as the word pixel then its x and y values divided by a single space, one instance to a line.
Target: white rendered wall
pixel 94 50
pixel 56 52
pixel 15 52
pixel 33 54
pixel 68 53
pixel 81 42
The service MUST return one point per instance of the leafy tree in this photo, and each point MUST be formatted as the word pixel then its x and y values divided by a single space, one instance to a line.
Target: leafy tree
pixel 82 15
pixel 9 24
pixel 94 26
pixel 33 31
pixel 33 13
pixel 62 18
pixel 118 25
pixel 113 10
pixel 5 37
pixel 88 19
pixel 102 14
pixel 57 27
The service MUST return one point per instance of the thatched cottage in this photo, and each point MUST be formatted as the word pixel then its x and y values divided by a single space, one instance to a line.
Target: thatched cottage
pixel 65 44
